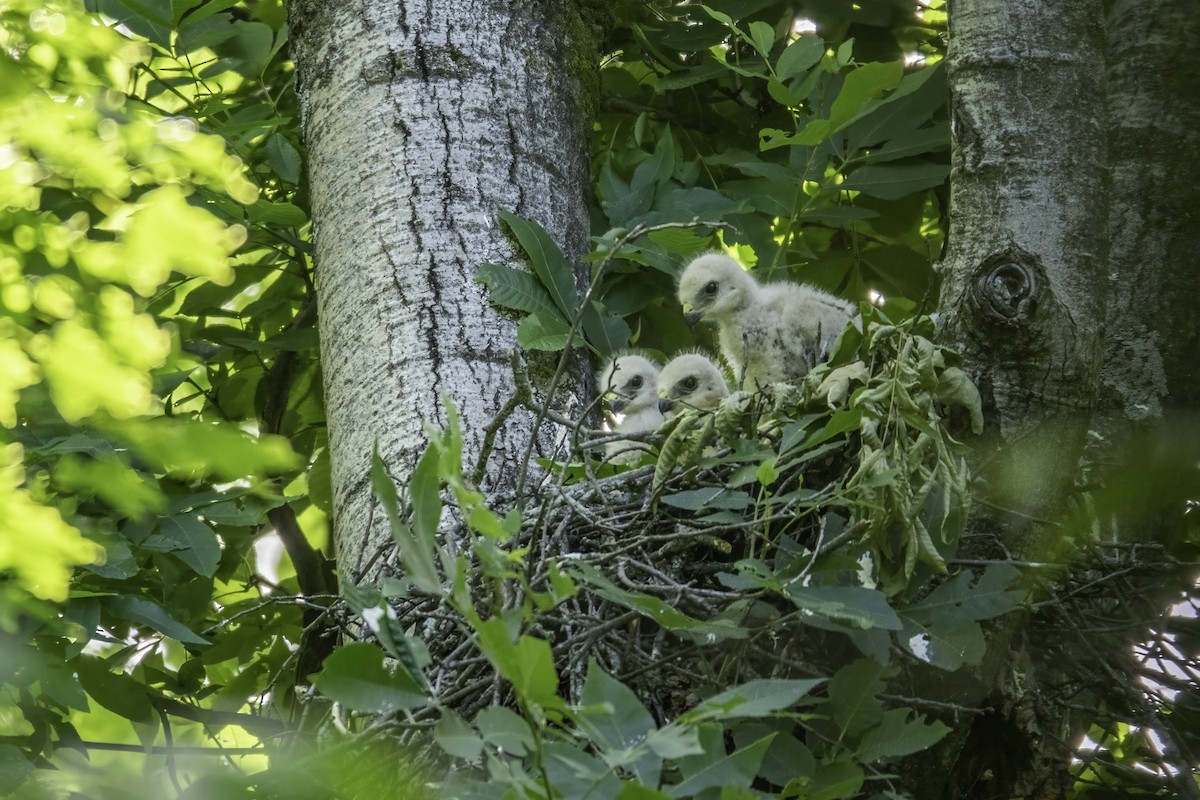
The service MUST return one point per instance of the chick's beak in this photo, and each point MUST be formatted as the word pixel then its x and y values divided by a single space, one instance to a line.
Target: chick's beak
pixel 690 317
pixel 665 405
pixel 616 404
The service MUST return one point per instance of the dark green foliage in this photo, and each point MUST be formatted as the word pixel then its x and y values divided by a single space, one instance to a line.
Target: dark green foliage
pixel 822 170
pixel 740 620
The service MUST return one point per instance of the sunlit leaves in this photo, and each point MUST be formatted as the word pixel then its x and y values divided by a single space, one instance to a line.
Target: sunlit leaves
pixel 220 450
pixel 16 372
pixel 36 545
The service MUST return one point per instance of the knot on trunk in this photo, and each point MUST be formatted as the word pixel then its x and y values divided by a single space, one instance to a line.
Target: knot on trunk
pixel 1008 288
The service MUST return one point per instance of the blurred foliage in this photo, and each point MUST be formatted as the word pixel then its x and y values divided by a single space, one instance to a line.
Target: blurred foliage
pixel 159 394
pixel 161 426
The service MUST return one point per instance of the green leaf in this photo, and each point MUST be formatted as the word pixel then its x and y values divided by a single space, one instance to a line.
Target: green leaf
pixel 516 289
pixel 922 140
pixel 277 213
pixel 757 698
pixel 652 607
pixel 945 642
pixel 606 333
pixel 354 676
pixel 893 181
pixel 415 552
pixel 913 103
pixel 116 691
pixel 836 781
pixel 658 168
pixel 955 387
pixel 787 758
pixel 424 491
pixel 549 263
pixel 762 36
pixel 528 664
pixel 711 497
pixel 130 493
pixel 845 52
pixel 574 773
pixel 241 508
pixel 284 158
pixel 145 612
pixel 456 737
pixel 862 84
pixel 675 741
pixel 381 619
pixel 715 767
pixel 707 70
pixel 544 330
pixel 681 241
pixel 189 449
pixel 631 790
pixel 800 56
pixel 898 736
pixel 14 769
pixel 838 215
pixel 854 605
pixel 853 696
pixel 199 547
pixel 942 629
pixel 209 8
pixel 990 597
pixel 504 730
pixel 619 722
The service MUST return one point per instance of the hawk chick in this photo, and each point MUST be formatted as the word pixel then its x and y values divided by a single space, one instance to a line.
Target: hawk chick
pixel 628 383
pixel 772 333
pixel 693 381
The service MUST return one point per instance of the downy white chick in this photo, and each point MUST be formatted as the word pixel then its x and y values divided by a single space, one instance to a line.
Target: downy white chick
pixel 769 333
pixel 628 383
pixel 690 381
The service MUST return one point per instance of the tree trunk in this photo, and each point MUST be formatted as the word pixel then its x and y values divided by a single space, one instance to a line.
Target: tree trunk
pixel 1024 275
pixel 1022 300
pixel 1154 135
pixel 421 121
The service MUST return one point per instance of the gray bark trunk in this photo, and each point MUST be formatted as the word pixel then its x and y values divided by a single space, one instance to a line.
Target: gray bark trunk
pixel 1023 300
pixel 1024 277
pixel 421 121
pixel 1154 133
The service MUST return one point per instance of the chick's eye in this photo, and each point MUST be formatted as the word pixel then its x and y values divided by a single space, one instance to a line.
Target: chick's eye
pixel 710 288
pixel 689 384
pixel 636 381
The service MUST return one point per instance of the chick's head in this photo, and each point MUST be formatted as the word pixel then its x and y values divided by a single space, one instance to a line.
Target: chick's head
pixel 692 381
pixel 627 382
pixel 714 286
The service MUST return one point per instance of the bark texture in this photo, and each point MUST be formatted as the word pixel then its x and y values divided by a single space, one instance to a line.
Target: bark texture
pixel 1024 276
pixel 421 120
pixel 1154 134
pixel 1024 286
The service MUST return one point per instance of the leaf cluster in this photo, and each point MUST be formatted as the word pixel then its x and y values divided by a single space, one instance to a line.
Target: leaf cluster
pixel 160 406
pixel 719 126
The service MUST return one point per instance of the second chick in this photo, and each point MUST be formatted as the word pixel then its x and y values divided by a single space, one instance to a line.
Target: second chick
pixel 690 381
